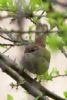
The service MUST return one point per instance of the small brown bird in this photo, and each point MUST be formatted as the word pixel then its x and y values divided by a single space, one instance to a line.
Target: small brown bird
pixel 37 61
pixel 37 57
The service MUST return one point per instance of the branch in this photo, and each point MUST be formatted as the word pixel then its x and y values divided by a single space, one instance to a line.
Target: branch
pixel 64 52
pixel 7 38
pixel 32 89
pixel 13 14
pixel 7 49
pixel 18 31
pixel 32 86
pixel 23 42
pixel 16 42
pixel 40 15
pixel 60 76
pixel 33 31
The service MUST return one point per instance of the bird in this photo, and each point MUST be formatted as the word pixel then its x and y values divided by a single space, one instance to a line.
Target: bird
pixel 36 57
pixel 36 60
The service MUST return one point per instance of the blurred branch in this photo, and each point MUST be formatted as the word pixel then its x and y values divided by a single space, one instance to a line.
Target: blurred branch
pixel 6 38
pixel 41 15
pixel 60 76
pixel 15 31
pixel 14 44
pixel 7 49
pixel 12 14
pixel 23 42
pixel 4 44
pixel 14 40
pixel 33 87
pixel 64 52
pixel 32 31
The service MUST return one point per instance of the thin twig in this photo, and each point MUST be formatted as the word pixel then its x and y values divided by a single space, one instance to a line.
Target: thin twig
pixel 41 14
pixel 6 38
pixel 6 50
pixel 60 76
pixel 18 43
pixel 15 44
pixel 11 40
pixel 64 52
pixel 33 31
pixel 4 44
pixel 32 21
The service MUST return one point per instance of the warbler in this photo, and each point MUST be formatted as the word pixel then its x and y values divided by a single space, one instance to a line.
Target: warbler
pixel 36 60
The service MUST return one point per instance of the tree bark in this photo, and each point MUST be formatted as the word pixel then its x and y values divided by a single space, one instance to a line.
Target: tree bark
pixel 31 85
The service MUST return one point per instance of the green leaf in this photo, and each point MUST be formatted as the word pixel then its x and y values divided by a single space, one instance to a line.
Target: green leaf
pixel 65 94
pixel 9 97
pixel 63 27
pixel 8 5
pixel 3 3
pixel 54 41
pixel 34 4
pixel 45 6
pixel 54 72
pixel 38 5
pixel 45 76
pixel 24 3
pixel 37 98
pixel 35 19
pixel 63 35
pixel 60 21
pixel 54 15
pixel 52 22
pixel 65 71
pixel 2 46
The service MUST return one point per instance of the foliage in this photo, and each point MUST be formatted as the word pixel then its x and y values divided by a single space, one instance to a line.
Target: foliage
pixel 38 5
pixel 8 5
pixel 65 71
pixel 54 41
pixel 57 39
pixel 46 76
pixel 9 97
pixel 65 94
pixel 36 98
pixel 49 76
pixel 54 72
